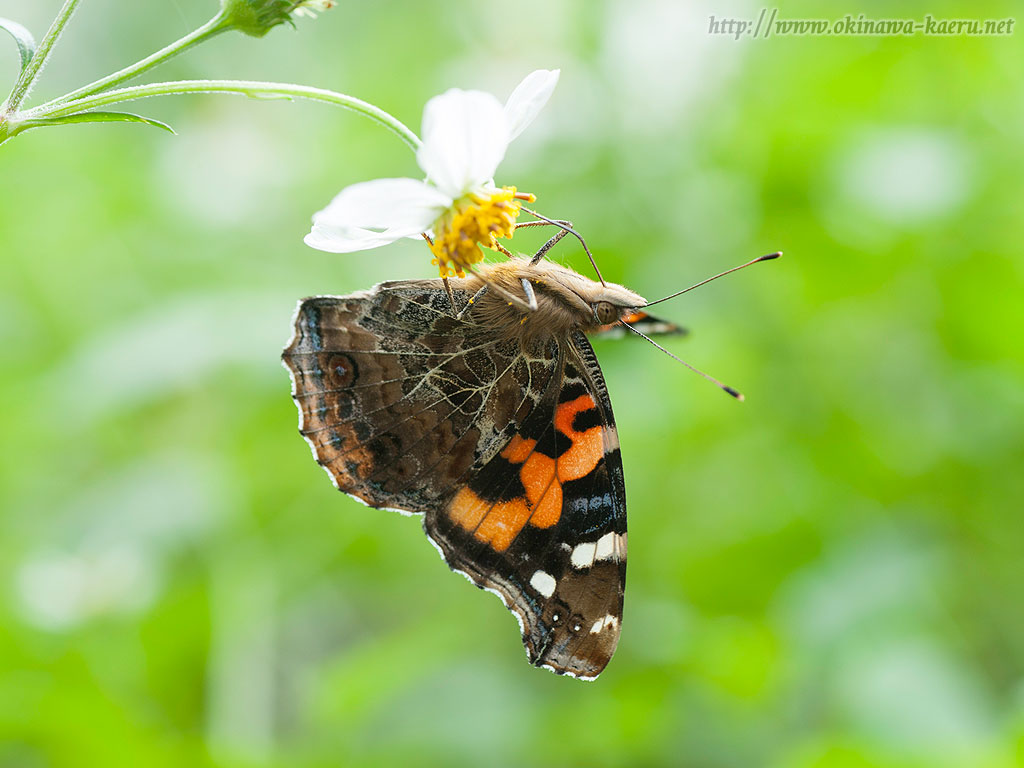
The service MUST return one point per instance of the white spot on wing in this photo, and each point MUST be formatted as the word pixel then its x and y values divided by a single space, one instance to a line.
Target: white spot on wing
pixel 583 554
pixel 611 546
pixel 543 582
pixel 608 622
pixel 605 546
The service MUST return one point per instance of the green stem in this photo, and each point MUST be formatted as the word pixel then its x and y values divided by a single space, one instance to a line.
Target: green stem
pixel 213 27
pixel 31 72
pixel 240 87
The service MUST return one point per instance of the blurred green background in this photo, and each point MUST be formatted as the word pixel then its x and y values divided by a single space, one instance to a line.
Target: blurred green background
pixel 829 574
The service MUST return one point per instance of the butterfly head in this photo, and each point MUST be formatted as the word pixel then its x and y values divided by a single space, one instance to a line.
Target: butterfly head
pixel 566 300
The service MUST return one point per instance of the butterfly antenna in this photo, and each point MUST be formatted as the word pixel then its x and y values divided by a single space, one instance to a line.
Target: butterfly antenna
pixel 725 388
pixel 575 234
pixel 768 257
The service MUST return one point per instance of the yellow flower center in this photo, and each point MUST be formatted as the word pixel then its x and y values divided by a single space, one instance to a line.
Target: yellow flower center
pixel 474 220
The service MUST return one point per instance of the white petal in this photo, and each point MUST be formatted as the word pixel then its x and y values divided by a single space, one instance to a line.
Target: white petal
pixel 385 203
pixel 376 213
pixel 337 238
pixel 464 138
pixel 528 99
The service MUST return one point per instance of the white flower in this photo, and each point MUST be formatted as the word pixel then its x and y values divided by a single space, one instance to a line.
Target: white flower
pixel 465 135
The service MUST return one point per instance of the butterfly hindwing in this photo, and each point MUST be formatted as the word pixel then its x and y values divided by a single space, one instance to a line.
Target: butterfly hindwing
pixel 543 523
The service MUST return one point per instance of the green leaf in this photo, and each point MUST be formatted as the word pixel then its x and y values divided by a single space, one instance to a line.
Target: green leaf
pixel 96 117
pixel 26 43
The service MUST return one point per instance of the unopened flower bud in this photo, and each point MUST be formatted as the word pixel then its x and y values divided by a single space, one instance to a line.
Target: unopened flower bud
pixel 257 17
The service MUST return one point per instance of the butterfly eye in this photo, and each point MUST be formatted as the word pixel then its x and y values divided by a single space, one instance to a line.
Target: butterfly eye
pixel 606 312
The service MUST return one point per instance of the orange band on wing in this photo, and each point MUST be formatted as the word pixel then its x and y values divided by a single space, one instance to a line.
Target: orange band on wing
pixel 498 523
pixel 503 523
pixel 587 447
pixel 518 449
pixel 467 509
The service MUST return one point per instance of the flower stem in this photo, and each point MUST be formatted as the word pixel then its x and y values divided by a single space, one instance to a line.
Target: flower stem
pixel 28 75
pixel 213 27
pixel 252 88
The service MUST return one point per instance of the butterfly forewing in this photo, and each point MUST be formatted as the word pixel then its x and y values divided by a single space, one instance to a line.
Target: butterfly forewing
pixel 641 321
pixel 398 399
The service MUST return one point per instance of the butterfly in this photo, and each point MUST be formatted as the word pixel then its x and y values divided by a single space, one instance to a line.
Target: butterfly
pixel 493 422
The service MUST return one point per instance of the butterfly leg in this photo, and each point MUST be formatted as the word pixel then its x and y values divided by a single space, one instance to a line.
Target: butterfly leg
pixel 531 299
pixel 499 247
pixel 550 243
pixel 566 226
pixel 527 305
pixel 444 278
pixel 448 290
pixel 472 301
